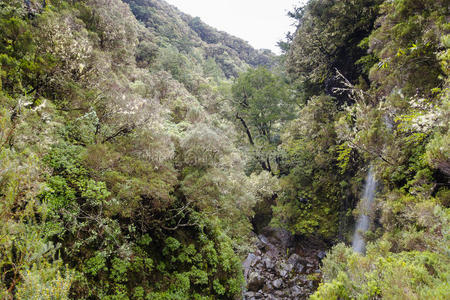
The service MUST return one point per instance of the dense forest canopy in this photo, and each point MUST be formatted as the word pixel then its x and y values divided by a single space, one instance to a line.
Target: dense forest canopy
pixel 141 149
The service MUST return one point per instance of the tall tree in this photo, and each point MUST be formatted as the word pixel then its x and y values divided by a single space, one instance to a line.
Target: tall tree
pixel 261 103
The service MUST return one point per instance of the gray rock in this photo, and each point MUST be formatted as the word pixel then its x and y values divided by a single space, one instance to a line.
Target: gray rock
pixel 277 283
pixel 255 261
pixel 248 263
pixel 294 259
pixel 299 268
pixel 283 273
pixel 263 239
pixel 255 282
pixel 268 263
pixel 278 236
pixel 289 267
pixel 296 291
pixel 283 269
pixel 321 254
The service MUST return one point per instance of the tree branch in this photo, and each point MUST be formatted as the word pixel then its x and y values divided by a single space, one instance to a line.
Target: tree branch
pixel 247 130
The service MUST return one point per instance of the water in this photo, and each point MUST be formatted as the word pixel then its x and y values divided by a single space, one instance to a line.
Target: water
pixel 366 206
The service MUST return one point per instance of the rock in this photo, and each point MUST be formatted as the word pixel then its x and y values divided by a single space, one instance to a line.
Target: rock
pixel 294 259
pixel 277 283
pixel 255 261
pixel 321 255
pixel 299 268
pixel 283 273
pixel 248 295
pixel 278 236
pixel 281 269
pixel 255 282
pixel 263 239
pixel 303 279
pixel 296 291
pixel 248 263
pixel 268 263
pixel 289 267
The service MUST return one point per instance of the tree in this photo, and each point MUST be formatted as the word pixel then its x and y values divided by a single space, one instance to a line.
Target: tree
pixel 328 37
pixel 261 104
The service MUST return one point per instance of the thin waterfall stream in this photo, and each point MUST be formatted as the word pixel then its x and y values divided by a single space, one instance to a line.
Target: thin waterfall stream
pixel 366 207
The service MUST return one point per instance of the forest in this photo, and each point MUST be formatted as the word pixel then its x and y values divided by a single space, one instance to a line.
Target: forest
pixel 147 155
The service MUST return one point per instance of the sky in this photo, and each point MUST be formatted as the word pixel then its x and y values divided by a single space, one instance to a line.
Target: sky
pixel 262 23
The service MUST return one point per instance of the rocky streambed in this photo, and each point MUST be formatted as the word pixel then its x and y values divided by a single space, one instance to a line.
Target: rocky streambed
pixel 283 266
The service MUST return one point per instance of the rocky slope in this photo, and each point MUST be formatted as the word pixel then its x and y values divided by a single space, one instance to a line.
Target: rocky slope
pixel 283 266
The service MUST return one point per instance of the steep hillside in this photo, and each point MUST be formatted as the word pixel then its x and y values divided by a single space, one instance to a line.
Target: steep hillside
pixel 190 36
pixel 119 173
pixel 144 154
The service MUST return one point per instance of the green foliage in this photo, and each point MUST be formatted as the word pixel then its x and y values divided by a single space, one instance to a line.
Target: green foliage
pixel 262 104
pixel 316 191
pixel 122 175
pixel 328 37
pixel 411 275
pixel 406 43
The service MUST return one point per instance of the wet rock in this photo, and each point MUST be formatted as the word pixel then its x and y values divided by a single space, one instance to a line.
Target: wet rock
pixel 255 282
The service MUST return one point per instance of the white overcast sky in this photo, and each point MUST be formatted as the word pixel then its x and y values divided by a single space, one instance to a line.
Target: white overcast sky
pixel 262 23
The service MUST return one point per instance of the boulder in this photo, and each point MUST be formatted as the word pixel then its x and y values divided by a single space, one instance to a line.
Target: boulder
pixel 321 255
pixel 299 268
pixel 278 236
pixel 268 263
pixel 255 282
pixel 294 259
pixel 248 263
pixel 289 267
pixel 283 273
pixel 296 291
pixel 277 284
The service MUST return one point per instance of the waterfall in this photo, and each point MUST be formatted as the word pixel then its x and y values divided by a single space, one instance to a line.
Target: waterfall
pixel 366 207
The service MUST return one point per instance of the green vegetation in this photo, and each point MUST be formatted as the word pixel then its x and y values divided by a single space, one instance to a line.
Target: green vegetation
pixel 137 144
pixel 389 108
